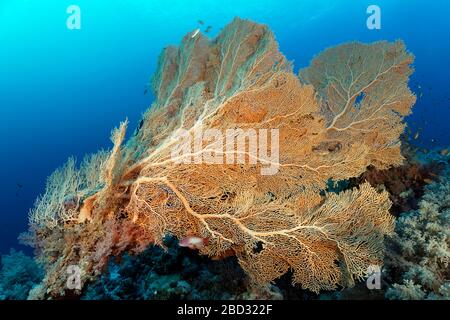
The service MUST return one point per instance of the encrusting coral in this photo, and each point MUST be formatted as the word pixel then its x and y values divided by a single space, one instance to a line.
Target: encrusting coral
pixel 341 115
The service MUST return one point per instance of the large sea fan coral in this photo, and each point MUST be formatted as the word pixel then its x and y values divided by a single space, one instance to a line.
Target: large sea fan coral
pixel 343 115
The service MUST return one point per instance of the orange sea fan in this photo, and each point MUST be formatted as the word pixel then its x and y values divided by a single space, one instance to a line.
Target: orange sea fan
pixel 343 114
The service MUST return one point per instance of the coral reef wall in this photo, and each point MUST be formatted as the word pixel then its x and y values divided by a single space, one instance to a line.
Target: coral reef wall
pixel 341 115
pixel 419 252
pixel 18 275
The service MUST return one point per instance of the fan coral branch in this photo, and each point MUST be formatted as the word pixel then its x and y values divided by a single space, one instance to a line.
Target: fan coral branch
pixel 66 189
pixel 364 90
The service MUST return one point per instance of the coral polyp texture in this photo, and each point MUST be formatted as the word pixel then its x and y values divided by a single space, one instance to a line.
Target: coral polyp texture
pixel 420 255
pixel 340 115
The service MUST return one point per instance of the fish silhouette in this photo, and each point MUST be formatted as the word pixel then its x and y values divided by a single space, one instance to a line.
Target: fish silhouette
pixel 196 32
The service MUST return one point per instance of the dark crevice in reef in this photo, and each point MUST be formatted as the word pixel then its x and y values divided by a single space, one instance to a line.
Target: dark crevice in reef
pixel 174 273
pixel 405 184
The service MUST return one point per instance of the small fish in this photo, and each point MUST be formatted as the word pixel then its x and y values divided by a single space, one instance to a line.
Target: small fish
pixel 19 187
pixel 444 152
pixel 193 242
pixel 195 33
pixel 427 181
pixel 208 29
pixel 201 22
pixel 416 136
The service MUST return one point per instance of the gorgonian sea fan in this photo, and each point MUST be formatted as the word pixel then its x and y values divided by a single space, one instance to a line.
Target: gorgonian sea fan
pixel 341 115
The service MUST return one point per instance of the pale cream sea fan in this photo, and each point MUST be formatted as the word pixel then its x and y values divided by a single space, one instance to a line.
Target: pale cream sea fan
pixel 66 189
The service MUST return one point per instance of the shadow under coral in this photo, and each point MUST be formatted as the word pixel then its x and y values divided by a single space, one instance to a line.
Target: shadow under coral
pixel 173 273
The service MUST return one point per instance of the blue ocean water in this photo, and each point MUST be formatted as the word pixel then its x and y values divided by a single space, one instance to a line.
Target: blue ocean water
pixel 62 91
